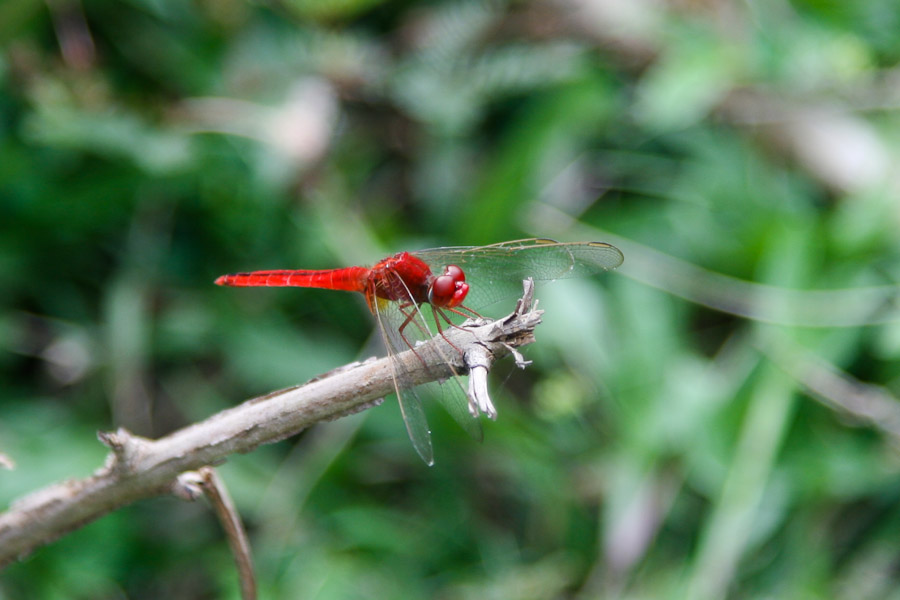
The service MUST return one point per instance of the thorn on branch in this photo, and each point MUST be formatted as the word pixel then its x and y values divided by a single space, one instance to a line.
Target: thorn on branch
pixel 520 360
pixel 126 449
pixel 527 302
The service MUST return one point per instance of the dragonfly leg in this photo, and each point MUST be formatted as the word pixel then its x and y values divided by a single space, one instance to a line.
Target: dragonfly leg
pixel 469 312
pixel 410 315
pixel 410 318
pixel 458 312
pixel 437 311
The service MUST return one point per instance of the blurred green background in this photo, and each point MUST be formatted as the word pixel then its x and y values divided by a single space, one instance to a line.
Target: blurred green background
pixel 716 419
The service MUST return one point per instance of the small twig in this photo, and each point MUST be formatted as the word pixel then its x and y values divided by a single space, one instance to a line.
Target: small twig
pixel 234 530
pixel 139 468
pixel 190 486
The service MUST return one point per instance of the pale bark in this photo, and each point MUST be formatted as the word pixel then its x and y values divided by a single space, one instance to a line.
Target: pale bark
pixel 139 468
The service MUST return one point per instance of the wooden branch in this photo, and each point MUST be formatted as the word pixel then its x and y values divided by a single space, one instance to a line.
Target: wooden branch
pixel 139 468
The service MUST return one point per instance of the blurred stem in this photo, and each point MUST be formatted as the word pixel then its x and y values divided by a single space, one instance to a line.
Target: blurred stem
pixel 736 512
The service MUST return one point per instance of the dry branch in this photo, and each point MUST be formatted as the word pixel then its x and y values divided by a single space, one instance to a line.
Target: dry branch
pixel 139 468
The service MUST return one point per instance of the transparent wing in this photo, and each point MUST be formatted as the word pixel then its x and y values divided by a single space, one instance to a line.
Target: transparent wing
pixel 410 405
pixel 496 271
pixel 539 258
pixel 452 392
pixel 390 316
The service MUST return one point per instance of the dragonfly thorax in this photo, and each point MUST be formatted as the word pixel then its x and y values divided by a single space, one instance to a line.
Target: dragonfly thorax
pixel 406 277
pixel 401 277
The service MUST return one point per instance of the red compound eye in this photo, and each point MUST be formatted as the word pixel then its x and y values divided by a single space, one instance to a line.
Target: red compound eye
pixel 455 272
pixel 449 289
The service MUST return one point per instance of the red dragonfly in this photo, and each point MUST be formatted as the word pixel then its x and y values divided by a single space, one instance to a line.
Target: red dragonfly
pixel 396 288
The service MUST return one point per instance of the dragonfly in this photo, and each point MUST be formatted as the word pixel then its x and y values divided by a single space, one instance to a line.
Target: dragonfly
pixel 452 282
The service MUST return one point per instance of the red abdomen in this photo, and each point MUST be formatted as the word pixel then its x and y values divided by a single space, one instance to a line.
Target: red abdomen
pixel 351 279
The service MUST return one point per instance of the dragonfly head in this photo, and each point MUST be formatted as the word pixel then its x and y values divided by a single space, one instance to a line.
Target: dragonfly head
pixel 448 289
